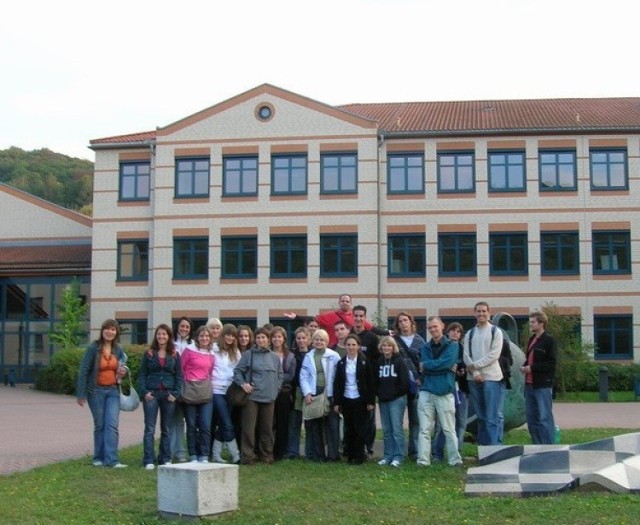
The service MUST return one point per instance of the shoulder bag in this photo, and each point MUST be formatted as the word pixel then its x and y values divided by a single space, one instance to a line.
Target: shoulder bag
pixel 319 407
pixel 197 392
pixel 128 402
pixel 236 396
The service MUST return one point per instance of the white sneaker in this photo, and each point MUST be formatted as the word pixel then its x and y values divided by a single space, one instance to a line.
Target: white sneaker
pixel 120 465
pixel 383 462
pixel 203 461
pixel 97 463
pixel 149 466
pixel 395 463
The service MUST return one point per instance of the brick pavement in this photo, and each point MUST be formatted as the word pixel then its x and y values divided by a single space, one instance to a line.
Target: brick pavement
pixel 38 428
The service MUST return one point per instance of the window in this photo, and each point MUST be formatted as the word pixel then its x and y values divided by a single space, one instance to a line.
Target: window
pixel 406 255
pixel 134 181
pixel 239 257
pixel 133 332
pixel 613 336
pixel 456 254
pixel 289 256
pixel 508 254
pixel 455 172
pixel 190 258
pixel 192 177
pixel 133 260
pixel 405 173
pixel 560 253
pixel 608 169
pixel 507 171
pixel 338 255
pixel 339 173
pixel 611 252
pixel 558 170
pixel 239 176
pixel 289 175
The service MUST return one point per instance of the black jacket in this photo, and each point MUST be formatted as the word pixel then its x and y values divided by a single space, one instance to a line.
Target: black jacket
pixel 544 360
pixel 364 381
pixel 392 378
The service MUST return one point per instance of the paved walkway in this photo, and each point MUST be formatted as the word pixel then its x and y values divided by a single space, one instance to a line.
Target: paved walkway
pixel 37 428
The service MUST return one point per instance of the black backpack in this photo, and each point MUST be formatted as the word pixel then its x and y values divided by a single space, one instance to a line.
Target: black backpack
pixel 505 360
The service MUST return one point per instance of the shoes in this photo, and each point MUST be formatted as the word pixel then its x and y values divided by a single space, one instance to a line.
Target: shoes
pixel 383 462
pixel 119 465
pixel 458 464
pixel 97 463
pixel 149 466
pixel 395 463
pixel 422 463
pixel 203 460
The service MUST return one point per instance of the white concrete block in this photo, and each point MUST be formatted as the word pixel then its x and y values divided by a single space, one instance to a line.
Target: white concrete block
pixel 197 489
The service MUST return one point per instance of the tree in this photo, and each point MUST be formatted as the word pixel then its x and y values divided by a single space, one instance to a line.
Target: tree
pixel 69 332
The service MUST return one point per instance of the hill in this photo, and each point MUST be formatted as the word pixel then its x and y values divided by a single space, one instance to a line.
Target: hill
pixel 64 180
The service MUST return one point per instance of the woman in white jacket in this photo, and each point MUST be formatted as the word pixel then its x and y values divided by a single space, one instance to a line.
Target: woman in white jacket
pixel 316 376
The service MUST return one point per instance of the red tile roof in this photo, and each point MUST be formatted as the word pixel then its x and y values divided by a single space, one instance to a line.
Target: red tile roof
pixel 571 115
pixel 45 259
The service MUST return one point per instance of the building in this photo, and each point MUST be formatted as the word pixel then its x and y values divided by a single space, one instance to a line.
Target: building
pixel 271 202
pixel 42 248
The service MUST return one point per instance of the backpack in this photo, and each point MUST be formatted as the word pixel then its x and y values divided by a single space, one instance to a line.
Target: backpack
pixel 505 360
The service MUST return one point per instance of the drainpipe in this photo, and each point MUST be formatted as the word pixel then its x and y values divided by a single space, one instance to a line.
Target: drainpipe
pixel 379 224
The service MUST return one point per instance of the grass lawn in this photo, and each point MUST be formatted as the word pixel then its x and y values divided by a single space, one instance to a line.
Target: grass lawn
pixel 299 492
pixel 594 397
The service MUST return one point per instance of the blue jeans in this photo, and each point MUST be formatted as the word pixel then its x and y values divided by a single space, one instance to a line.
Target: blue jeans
pixel 539 414
pixel 176 428
pixel 198 418
pixel 222 418
pixel 104 403
pixel 487 398
pixel 392 418
pixel 295 424
pixel 161 404
pixel 414 425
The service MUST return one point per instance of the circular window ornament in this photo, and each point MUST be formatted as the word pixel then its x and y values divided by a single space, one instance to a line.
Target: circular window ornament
pixel 264 112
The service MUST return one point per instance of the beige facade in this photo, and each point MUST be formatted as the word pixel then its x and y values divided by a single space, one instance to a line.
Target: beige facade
pixel 299 126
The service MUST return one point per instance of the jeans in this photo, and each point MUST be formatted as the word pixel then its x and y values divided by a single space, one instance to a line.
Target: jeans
pixel 159 403
pixel 442 407
pixel 295 425
pixel 392 418
pixel 488 399
pixel 414 425
pixel 539 414
pixel 198 419
pixel 222 419
pixel 104 403
pixel 462 414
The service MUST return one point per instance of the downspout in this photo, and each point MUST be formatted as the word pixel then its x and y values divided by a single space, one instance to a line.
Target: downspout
pixel 151 255
pixel 379 226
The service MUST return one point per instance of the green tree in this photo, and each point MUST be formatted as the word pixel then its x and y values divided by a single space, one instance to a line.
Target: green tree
pixel 69 332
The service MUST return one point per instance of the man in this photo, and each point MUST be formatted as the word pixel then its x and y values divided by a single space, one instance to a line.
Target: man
pixel 484 374
pixel 341 330
pixel 438 360
pixel 539 369
pixel 327 320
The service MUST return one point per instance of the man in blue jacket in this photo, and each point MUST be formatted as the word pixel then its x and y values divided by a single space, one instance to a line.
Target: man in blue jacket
pixel 436 397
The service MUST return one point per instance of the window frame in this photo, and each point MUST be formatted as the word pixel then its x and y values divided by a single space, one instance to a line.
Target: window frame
pixel 407 170
pixel 456 155
pixel 136 178
pixel 292 171
pixel 611 245
pixel 290 252
pixel 510 238
pixel 340 249
pixel 193 174
pixel 560 248
pixel 507 165
pixel 472 248
pixel 192 252
pixel 407 252
pixel 139 330
pixel 557 164
pixel 136 254
pixel 609 163
pixel 240 251
pixel 241 172
pixel 340 167
pixel 610 333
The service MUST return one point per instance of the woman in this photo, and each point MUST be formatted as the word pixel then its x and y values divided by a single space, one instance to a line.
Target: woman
pixel 410 344
pixel 259 373
pixel 316 376
pixel 184 338
pixel 303 340
pixel 227 356
pixel 197 365
pixel 392 381
pixel 215 327
pixel 159 385
pixel 354 398
pixel 284 401
pixel 101 369
pixel 245 338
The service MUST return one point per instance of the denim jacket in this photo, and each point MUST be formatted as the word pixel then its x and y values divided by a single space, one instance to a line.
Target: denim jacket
pixel 88 372
pixel 152 375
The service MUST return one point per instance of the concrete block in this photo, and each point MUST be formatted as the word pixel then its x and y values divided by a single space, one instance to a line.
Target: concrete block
pixel 197 489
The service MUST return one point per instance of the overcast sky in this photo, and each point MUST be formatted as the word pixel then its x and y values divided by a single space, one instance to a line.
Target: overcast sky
pixel 76 70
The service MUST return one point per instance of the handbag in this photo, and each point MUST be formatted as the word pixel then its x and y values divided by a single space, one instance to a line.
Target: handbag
pixel 128 403
pixel 236 396
pixel 319 407
pixel 196 392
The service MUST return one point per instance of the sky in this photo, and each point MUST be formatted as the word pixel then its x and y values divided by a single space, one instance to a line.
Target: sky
pixel 72 71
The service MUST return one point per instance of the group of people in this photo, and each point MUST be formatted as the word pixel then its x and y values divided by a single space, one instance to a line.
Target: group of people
pixel 338 359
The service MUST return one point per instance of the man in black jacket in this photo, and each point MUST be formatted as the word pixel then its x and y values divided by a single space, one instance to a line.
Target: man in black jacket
pixel 539 370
